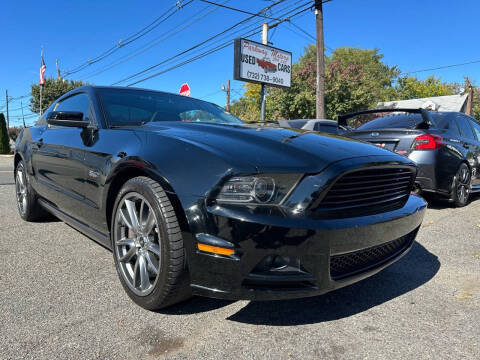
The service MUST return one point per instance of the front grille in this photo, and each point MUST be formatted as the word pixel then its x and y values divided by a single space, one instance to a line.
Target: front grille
pixel 353 263
pixel 369 187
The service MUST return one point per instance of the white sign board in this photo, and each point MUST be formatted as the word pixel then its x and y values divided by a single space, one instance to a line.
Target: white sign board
pixel 258 63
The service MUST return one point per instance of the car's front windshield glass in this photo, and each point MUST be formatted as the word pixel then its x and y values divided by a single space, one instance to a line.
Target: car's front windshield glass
pixel 124 107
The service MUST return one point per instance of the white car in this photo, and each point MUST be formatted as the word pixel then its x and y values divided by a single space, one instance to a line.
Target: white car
pixel 322 125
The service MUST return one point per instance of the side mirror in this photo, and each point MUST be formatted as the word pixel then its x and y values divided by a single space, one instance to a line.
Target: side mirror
pixel 67 118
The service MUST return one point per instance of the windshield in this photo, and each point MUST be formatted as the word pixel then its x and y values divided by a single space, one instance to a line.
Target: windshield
pixel 399 121
pixel 124 107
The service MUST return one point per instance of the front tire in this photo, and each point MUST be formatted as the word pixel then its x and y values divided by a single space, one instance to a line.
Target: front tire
pixel 462 186
pixel 148 246
pixel 28 207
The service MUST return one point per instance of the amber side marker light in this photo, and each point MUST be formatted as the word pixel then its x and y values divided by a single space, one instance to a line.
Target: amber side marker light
pixel 215 249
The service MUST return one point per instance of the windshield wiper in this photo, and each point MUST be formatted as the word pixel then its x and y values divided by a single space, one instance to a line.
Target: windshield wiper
pixel 128 125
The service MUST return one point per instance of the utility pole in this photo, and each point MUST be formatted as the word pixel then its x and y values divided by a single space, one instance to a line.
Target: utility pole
pixel 227 90
pixel 23 117
pixel 262 90
pixel 228 95
pixel 59 77
pixel 8 118
pixel 468 110
pixel 320 91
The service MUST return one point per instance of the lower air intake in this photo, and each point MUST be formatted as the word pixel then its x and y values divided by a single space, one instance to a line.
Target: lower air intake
pixel 353 263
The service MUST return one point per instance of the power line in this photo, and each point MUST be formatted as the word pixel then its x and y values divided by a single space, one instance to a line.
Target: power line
pixel 208 52
pixel 202 43
pixel 441 67
pixel 195 46
pixel 239 10
pixel 159 20
pixel 151 44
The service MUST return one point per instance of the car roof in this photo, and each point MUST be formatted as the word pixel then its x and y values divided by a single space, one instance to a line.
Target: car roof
pixel 322 121
pixel 91 88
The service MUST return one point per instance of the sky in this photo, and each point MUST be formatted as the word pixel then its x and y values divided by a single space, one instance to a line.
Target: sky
pixel 414 35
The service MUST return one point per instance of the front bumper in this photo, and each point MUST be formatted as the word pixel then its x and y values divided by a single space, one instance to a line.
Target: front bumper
pixel 321 247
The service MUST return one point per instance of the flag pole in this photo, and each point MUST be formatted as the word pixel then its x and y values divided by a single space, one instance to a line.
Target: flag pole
pixel 41 85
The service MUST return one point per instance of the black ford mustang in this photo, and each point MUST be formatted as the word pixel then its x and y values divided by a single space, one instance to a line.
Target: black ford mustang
pixel 191 200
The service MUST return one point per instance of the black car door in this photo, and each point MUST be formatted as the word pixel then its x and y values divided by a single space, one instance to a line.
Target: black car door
pixel 476 130
pixel 57 158
pixel 470 144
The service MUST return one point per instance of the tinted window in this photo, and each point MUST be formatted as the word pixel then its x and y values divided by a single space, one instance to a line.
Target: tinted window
pixel 446 121
pixel 476 129
pixel 464 127
pixel 399 121
pixel 79 102
pixel 134 107
pixel 297 124
pixel 332 129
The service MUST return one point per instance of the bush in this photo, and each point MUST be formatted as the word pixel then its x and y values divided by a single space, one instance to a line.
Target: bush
pixel 4 141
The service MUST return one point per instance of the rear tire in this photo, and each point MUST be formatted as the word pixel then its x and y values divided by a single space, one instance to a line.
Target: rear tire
pixel 27 204
pixel 148 246
pixel 462 186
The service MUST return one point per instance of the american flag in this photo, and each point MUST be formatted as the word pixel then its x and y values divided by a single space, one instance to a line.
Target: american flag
pixel 42 72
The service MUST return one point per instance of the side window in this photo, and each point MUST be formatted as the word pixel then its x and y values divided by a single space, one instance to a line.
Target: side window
pixel 79 102
pixel 464 127
pixel 325 128
pixel 476 129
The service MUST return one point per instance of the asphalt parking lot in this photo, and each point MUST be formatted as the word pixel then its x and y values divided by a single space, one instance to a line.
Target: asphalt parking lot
pixel 60 298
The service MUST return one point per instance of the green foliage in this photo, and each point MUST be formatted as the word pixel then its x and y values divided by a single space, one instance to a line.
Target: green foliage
pixel 409 87
pixel 51 91
pixel 247 107
pixel 355 79
pixel 4 141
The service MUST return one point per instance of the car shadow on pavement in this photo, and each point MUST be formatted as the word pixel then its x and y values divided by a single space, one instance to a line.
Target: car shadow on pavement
pixel 412 271
pixel 440 203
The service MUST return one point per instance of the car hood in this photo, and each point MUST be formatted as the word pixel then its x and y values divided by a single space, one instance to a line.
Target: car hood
pixel 269 149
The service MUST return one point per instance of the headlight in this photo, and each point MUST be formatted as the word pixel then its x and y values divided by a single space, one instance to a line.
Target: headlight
pixel 261 189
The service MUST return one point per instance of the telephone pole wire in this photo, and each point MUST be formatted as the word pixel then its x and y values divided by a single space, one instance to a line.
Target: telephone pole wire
pixel 228 95
pixel 320 91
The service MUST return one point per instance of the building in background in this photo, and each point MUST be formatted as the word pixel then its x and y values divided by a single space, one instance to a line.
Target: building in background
pixel 435 103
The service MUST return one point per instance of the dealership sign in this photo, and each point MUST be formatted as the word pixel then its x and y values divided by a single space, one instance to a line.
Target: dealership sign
pixel 258 63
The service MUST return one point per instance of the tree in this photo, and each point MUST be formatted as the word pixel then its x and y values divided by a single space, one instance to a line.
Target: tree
pixel 4 140
pixel 247 107
pixel 409 87
pixel 51 91
pixel 355 79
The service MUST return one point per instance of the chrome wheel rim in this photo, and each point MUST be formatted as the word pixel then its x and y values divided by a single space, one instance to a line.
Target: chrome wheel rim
pixel 463 184
pixel 21 190
pixel 137 243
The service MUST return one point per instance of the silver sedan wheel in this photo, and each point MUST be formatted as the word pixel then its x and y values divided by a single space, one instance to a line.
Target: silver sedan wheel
pixel 21 190
pixel 137 243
